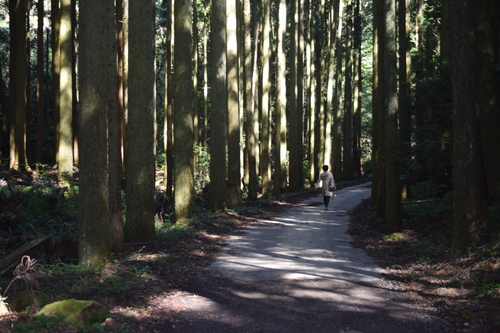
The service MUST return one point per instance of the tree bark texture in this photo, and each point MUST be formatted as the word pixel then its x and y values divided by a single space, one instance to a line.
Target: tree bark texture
pixel 393 192
pixel 218 124
pixel 471 214
pixel 139 130
pixel 97 45
pixel 18 72
pixel 65 150
pixel 183 112
pixel 233 116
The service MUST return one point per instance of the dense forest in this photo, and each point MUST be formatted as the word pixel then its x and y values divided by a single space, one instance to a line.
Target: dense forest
pixel 140 107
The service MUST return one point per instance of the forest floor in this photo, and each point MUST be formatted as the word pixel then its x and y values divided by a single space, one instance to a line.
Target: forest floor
pixel 138 286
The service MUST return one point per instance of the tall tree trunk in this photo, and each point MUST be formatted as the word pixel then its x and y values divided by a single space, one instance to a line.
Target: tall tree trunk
pixel 332 75
pixel 115 134
pixel 251 135
pixel 348 135
pixel 256 85
pixel 56 73
pixel 294 133
pixel 205 76
pixel 378 109
pixel 233 157
pixel 169 89
pixel 357 85
pixel 470 210
pixel 420 112
pixel 18 69
pixel 139 130
pixel 320 81
pixel 488 94
pixel 218 123
pixel 29 114
pixel 393 193
pixel 196 64
pixel 444 130
pixel 404 86
pixel 125 71
pixel 265 97
pixel 74 88
pixel 280 114
pixel 309 91
pixel 326 113
pixel 120 66
pixel 97 41
pixel 337 98
pixel 4 129
pixel 65 150
pixel 300 91
pixel 40 93
pixel 183 112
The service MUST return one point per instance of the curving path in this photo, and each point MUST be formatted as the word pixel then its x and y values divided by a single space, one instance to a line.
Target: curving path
pixel 299 274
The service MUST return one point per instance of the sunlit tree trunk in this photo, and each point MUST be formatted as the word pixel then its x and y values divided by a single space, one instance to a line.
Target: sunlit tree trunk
pixel 56 72
pixel 65 150
pixel 347 126
pixel 125 70
pixel 378 109
pixel 300 91
pixel 115 134
pixel 332 75
pixel 265 98
pixel 18 70
pixel 233 116
pixel 280 114
pixel 294 134
pixel 311 137
pixel 393 193
pixel 256 85
pixel 183 112
pixel 337 110
pixel 218 123
pixel 324 131
pixel 139 128
pixel 250 113
pixel 120 65
pixel 97 41
pixel 251 136
pixel 357 87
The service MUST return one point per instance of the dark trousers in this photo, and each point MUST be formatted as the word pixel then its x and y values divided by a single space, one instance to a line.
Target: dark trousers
pixel 326 201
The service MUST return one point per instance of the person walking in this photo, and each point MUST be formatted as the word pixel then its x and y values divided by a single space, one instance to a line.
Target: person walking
pixel 327 186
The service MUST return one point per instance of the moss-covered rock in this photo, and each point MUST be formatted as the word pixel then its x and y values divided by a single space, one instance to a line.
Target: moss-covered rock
pixel 79 314
pixel 24 299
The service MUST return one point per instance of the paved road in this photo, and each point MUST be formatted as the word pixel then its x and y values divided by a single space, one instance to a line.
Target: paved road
pixel 306 242
pixel 299 274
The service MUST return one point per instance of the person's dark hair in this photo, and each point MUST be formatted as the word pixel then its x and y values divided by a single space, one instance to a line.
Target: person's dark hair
pixel 325 167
